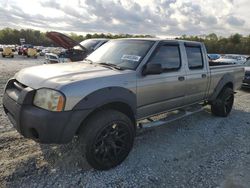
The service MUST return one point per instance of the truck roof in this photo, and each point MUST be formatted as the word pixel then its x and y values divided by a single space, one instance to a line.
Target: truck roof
pixel 160 39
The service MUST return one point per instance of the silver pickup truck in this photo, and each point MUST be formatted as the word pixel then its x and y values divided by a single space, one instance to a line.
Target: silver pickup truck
pixel 103 99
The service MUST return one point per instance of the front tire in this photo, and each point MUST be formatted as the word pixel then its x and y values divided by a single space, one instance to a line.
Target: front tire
pixel 107 139
pixel 222 106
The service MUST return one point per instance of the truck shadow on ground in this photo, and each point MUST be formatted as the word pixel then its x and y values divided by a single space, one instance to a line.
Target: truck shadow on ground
pixel 245 89
pixel 65 159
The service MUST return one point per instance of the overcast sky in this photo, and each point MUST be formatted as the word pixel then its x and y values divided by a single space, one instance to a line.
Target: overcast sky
pixel 154 17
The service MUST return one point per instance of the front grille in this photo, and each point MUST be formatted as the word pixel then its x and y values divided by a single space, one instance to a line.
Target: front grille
pixel 14 88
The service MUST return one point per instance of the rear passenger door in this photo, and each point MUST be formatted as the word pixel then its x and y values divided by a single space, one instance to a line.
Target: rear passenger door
pixel 165 91
pixel 197 73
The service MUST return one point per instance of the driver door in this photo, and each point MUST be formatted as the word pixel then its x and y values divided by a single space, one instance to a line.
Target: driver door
pixel 165 91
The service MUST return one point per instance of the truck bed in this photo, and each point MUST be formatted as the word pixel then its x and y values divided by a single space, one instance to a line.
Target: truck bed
pixel 219 72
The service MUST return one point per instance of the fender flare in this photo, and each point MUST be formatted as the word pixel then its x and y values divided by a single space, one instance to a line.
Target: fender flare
pixel 226 79
pixel 105 96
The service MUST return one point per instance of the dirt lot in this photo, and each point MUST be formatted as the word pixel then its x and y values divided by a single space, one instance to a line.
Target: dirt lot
pixel 198 151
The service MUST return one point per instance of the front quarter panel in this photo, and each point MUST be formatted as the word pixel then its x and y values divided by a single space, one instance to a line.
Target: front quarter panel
pixel 100 90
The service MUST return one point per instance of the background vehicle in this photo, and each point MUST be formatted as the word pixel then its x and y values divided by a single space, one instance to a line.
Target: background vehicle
pixel 232 59
pixel 32 52
pixel 24 49
pixel 213 56
pixel 121 83
pixel 246 81
pixel 75 51
pixel 39 48
pixel 7 52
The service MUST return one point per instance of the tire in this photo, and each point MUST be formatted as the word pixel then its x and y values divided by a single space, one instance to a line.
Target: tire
pixel 107 139
pixel 3 55
pixel 222 106
pixel 28 56
pixel 12 56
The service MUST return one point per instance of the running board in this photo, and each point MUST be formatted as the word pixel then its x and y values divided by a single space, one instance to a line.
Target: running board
pixel 168 117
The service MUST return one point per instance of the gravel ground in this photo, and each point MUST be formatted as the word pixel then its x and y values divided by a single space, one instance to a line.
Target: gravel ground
pixel 198 151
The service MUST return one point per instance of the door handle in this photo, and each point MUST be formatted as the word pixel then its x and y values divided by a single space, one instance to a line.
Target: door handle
pixel 203 75
pixel 181 78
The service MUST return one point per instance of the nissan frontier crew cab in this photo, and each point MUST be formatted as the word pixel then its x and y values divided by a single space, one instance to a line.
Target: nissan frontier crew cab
pixel 102 99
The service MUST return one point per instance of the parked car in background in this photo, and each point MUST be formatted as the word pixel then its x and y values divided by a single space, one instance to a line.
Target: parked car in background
pixel 7 52
pixel 75 51
pixel 231 59
pixel 121 83
pixel 39 48
pixel 23 49
pixel 213 57
pixel 246 81
pixel 44 51
pixel 32 52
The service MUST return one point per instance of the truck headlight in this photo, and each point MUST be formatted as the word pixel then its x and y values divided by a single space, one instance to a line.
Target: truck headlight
pixel 49 99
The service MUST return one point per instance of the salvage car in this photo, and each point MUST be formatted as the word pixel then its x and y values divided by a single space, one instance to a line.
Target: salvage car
pixel 231 59
pixel 23 50
pixel 103 99
pixel 246 81
pixel 7 52
pixel 75 51
pixel 32 52
pixel 213 57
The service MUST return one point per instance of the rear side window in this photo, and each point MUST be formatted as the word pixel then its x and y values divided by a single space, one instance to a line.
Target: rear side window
pixel 168 56
pixel 194 55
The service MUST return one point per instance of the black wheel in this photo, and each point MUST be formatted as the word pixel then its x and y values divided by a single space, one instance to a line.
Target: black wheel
pixel 12 56
pixel 3 55
pixel 107 139
pixel 222 106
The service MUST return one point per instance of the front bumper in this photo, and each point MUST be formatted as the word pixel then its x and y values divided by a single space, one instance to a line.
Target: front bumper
pixel 38 124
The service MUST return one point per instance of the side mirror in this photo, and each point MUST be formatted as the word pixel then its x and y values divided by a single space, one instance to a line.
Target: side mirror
pixel 152 69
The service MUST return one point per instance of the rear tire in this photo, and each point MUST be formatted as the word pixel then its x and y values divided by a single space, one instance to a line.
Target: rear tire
pixel 222 106
pixel 107 139
pixel 3 55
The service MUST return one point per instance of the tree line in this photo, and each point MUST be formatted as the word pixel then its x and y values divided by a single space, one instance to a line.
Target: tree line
pixel 12 37
pixel 234 44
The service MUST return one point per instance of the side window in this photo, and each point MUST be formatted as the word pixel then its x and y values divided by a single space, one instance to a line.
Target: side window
pixel 194 56
pixel 168 56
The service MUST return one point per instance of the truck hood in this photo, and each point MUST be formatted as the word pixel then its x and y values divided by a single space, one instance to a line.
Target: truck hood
pixel 63 40
pixel 56 75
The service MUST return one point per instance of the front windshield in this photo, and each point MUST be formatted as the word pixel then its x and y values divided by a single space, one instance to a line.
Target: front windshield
pixel 247 63
pixel 89 44
pixel 123 53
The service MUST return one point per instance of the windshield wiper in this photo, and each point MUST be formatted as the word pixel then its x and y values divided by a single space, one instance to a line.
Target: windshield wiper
pixel 111 65
pixel 88 60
